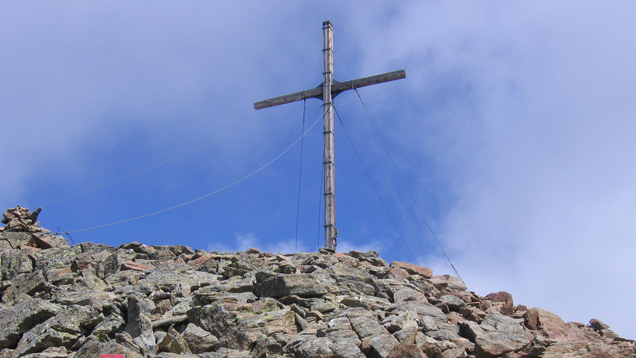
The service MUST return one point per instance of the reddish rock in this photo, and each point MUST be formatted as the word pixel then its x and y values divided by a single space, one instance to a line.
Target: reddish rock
pixel 398 273
pixel 502 296
pixel 129 265
pixel 413 269
pixel 253 251
pixel 406 351
pixel 346 259
pixel 198 262
pixel 551 325
pixel 448 282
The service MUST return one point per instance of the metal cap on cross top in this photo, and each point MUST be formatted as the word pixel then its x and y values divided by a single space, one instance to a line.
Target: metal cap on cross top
pixel 327 90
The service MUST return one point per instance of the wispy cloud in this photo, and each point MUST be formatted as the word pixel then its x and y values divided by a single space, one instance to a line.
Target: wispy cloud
pixel 248 240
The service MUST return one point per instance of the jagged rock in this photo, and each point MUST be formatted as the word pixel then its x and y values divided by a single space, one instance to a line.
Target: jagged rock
pixel 551 325
pixel 129 265
pixel 173 342
pixel 380 345
pixel 345 341
pixel 172 301
pixel 52 352
pixel 408 294
pixel 60 331
pixel 199 340
pixel 453 303
pixel 501 335
pixel 139 325
pixel 285 285
pixel 14 262
pixel 403 320
pixel 423 309
pixel 406 351
pixel 495 344
pixel 598 325
pixel 413 269
pixel 449 282
pixel 508 307
pixel 16 320
pixel 93 349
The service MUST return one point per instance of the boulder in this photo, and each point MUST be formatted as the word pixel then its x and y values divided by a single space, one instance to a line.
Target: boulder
pixel 551 326
pixel 413 269
pixel 16 320
pixel 285 285
pixel 500 335
pixel 173 342
pixel 495 344
pixel 199 340
pixel 506 298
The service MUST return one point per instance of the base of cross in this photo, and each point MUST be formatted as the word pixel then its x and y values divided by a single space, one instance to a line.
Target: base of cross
pixel 112 356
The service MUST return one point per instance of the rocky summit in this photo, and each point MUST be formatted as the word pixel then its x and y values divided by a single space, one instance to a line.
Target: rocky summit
pixel 92 300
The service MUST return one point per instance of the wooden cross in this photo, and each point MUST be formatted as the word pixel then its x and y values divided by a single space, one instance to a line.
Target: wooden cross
pixel 327 90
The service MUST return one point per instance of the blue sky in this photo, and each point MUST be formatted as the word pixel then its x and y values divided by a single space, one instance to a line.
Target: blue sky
pixel 514 130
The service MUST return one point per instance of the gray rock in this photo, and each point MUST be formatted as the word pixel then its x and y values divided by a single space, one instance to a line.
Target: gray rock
pixel 316 347
pixel 13 263
pixel 286 285
pixel 497 322
pixel 407 335
pixel 381 345
pixel 52 352
pixel 428 324
pixel 454 303
pixel 26 284
pixel 345 341
pixel 139 325
pixel 60 331
pixel 16 320
pixel 106 329
pixel 173 342
pixel 115 348
pixel 226 353
pixel 423 309
pixel 366 326
pixel 471 330
pixel 495 344
pixel 408 294
pixel 199 340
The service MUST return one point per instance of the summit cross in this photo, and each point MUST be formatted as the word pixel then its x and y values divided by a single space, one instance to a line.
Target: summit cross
pixel 327 91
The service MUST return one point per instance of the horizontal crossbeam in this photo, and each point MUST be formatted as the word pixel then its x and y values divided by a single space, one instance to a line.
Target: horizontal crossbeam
pixel 336 88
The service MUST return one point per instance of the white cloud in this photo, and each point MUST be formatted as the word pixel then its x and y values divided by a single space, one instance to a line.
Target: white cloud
pixel 248 240
pixel 534 130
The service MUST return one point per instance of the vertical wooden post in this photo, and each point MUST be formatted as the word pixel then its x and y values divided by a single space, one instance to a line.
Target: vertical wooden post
pixel 328 154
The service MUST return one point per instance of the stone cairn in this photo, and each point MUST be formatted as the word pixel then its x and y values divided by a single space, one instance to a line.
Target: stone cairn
pixel 21 219
pixel 90 300
pixel 23 229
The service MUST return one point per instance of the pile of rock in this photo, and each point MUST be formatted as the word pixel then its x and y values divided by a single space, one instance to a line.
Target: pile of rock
pixel 21 219
pixel 171 301
pixel 22 229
